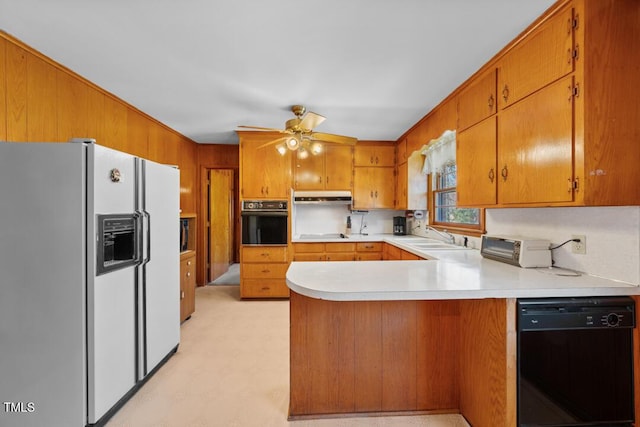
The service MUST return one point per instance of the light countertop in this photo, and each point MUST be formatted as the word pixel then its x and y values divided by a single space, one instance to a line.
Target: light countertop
pixel 447 274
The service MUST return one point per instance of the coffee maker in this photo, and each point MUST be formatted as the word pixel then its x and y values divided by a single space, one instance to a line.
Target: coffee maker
pixel 399 225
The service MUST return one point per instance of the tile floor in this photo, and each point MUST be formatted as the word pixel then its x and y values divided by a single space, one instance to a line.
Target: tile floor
pixel 232 370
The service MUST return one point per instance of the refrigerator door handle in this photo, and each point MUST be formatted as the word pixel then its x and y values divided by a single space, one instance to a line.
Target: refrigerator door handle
pixel 138 237
pixel 148 216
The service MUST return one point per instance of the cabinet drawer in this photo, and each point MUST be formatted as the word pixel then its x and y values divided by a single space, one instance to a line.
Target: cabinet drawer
pixel 264 254
pixel 369 247
pixel 341 256
pixel 318 256
pixel 264 270
pixel 369 256
pixel 340 247
pixel 308 247
pixel 264 288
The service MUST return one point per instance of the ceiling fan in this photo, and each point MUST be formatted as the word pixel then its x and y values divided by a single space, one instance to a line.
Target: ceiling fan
pixel 299 134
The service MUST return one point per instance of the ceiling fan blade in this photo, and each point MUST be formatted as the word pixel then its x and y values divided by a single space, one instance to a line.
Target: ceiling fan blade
pixel 311 120
pixel 273 142
pixel 336 139
pixel 261 128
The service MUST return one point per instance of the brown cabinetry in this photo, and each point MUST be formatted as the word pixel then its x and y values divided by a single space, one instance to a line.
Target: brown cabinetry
pixel 335 251
pixel 330 170
pixel 374 155
pixel 188 235
pixel 373 188
pixel 264 172
pixel 544 56
pixel 566 125
pixel 476 160
pixel 262 272
pixel 478 101
pixel 187 284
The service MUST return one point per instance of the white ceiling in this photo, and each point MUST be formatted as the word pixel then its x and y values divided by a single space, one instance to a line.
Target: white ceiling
pixel 203 67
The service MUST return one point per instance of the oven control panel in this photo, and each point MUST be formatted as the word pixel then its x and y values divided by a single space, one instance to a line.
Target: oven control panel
pixel 264 205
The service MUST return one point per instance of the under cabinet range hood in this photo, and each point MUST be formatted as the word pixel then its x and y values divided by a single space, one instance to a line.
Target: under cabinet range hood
pixel 322 197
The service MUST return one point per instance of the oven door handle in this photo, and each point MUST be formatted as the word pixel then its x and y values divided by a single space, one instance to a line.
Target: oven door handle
pixel 264 213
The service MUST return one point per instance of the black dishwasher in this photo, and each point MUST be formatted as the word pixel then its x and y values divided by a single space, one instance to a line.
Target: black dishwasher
pixel 575 361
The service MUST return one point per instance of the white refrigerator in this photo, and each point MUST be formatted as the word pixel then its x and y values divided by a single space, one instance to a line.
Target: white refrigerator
pixel 89 280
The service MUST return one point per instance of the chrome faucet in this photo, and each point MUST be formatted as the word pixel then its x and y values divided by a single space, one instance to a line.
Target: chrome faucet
pixel 448 237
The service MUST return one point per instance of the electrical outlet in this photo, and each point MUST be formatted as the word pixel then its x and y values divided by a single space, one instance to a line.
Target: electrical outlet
pixel 581 246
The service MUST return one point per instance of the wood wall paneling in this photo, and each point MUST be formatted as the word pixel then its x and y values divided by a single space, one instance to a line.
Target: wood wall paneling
pixel 188 176
pixel 137 142
pixel 16 81
pixel 114 129
pixel 487 374
pixel 399 335
pixel 368 347
pixel 3 90
pixel 42 117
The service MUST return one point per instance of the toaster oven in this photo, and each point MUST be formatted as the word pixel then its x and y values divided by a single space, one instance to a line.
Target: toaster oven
pixel 518 251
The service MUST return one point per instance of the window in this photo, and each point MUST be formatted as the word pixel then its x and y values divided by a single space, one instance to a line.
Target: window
pixel 440 165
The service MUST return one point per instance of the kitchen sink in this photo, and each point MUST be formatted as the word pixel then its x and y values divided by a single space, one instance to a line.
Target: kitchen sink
pixel 437 246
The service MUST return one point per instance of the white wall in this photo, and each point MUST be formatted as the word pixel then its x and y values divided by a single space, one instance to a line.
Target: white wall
pixel 323 219
pixel 612 235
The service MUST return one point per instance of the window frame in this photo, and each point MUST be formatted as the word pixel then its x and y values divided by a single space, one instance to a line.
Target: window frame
pixel 475 230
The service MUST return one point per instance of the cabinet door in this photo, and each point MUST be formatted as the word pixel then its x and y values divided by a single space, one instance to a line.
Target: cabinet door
pixel 309 173
pixel 545 56
pixel 338 167
pixel 374 155
pixel 384 188
pixel 478 101
pixel 363 184
pixel 373 188
pixel 476 161
pixel 401 186
pixel 401 151
pixel 265 173
pixel 535 147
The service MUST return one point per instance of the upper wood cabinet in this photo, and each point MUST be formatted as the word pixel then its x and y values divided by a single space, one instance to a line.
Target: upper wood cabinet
pixel 402 178
pixel 264 172
pixel 535 147
pixel 544 56
pixel 375 155
pixel 373 188
pixel 401 151
pixel 476 162
pixel 478 101
pixel 330 170
pixel 567 127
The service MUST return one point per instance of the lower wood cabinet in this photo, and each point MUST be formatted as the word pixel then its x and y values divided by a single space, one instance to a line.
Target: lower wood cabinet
pixel 391 252
pixel 334 251
pixel 187 284
pixel 262 272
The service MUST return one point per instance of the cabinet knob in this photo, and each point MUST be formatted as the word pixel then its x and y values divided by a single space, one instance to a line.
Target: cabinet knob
pixel 492 175
pixel 188 274
pixel 377 160
pixel 490 102
pixel 188 262
pixel 372 194
pixel 266 270
pixel 371 161
pixel 504 173
pixel 376 194
pixel 505 93
pixel 181 294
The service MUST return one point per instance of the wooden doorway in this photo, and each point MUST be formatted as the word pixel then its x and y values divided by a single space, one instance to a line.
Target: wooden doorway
pixel 220 222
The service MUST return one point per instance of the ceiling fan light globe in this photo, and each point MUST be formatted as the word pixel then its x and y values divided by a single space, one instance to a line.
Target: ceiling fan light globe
pixel 282 148
pixel 293 143
pixel 303 153
pixel 316 148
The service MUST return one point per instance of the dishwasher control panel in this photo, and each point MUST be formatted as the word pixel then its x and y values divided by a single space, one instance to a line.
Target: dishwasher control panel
pixel 575 313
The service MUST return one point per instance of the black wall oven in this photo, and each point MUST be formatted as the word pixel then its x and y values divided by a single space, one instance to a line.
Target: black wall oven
pixel 575 362
pixel 264 222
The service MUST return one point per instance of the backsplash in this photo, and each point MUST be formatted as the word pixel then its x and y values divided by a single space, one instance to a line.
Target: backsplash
pixel 321 219
pixel 612 236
